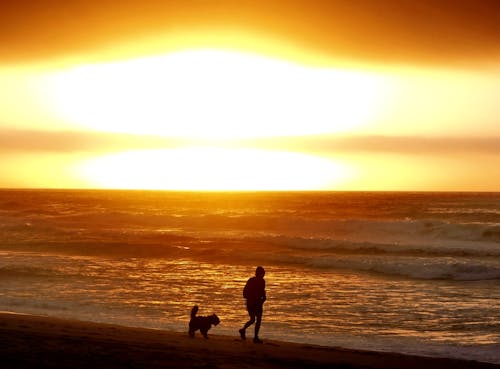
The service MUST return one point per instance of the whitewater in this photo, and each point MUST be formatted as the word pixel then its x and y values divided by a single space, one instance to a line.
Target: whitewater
pixel 406 272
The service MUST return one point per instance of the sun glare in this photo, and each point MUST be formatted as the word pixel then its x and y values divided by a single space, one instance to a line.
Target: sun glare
pixel 213 169
pixel 213 94
pixel 214 101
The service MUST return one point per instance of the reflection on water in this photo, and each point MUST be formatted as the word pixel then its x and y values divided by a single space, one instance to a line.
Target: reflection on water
pixel 404 272
pixel 307 305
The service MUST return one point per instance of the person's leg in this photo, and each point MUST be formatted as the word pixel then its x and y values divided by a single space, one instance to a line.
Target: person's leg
pixel 258 315
pixel 257 324
pixel 251 313
pixel 250 322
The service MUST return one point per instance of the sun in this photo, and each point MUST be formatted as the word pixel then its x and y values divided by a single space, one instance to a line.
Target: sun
pixel 213 169
pixel 216 102
pixel 213 94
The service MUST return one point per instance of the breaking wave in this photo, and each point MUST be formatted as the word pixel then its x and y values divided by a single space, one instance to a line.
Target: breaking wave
pixel 376 233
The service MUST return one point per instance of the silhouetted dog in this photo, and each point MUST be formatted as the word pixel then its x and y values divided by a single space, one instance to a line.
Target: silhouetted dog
pixel 203 323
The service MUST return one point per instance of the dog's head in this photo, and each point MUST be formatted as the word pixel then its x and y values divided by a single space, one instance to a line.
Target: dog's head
pixel 214 319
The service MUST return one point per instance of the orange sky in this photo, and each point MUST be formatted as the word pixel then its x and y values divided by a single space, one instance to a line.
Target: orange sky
pixel 406 31
pixel 396 95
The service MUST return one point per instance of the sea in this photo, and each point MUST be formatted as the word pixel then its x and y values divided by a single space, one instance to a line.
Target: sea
pixel 407 272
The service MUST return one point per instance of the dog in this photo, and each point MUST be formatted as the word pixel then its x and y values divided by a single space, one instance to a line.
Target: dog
pixel 203 323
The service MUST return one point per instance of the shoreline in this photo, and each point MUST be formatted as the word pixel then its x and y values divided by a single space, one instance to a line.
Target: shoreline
pixel 30 341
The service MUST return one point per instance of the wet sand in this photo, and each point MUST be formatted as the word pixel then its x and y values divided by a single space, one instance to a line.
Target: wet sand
pixel 40 342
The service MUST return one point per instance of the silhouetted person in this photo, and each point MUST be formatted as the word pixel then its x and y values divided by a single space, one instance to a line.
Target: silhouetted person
pixel 255 293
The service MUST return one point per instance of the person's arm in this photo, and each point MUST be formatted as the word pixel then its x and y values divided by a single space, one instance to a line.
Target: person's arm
pixel 264 297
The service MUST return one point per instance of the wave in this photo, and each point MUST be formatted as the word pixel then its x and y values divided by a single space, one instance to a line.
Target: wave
pixel 366 229
pixel 425 268
pixel 413 248
pixel 23 271
pixel 452 260
pixel 462 231
pixel 356 217
pixel 417 248
pixel 422 268
pixel 170 242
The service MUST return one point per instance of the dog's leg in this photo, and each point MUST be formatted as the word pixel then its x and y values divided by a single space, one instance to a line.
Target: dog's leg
pixel 204 333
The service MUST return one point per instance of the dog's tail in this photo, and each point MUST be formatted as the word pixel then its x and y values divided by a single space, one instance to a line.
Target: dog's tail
pixel 194 310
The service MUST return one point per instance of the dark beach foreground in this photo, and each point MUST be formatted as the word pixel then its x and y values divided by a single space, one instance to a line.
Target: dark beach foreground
pixel 41 342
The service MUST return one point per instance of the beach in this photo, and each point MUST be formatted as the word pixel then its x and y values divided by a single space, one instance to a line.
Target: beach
pixel 30 341
pixel 409 273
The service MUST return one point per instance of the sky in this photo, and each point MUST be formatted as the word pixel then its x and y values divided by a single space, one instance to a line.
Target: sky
pixel 250 95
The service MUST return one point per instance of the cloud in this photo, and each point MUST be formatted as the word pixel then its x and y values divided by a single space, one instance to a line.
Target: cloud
pixel 403 31
pixel 72 141
pixel 382 144
pixel 99 142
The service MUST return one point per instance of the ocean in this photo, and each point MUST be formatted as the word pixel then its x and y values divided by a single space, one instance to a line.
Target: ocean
pixel 404 272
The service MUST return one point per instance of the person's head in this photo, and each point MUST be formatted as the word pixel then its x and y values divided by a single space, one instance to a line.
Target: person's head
pixel 259 272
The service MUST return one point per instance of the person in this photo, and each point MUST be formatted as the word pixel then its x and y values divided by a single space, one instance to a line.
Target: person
pixel 255 294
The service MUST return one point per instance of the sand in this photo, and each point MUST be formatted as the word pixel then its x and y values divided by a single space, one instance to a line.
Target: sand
pixel 41 342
